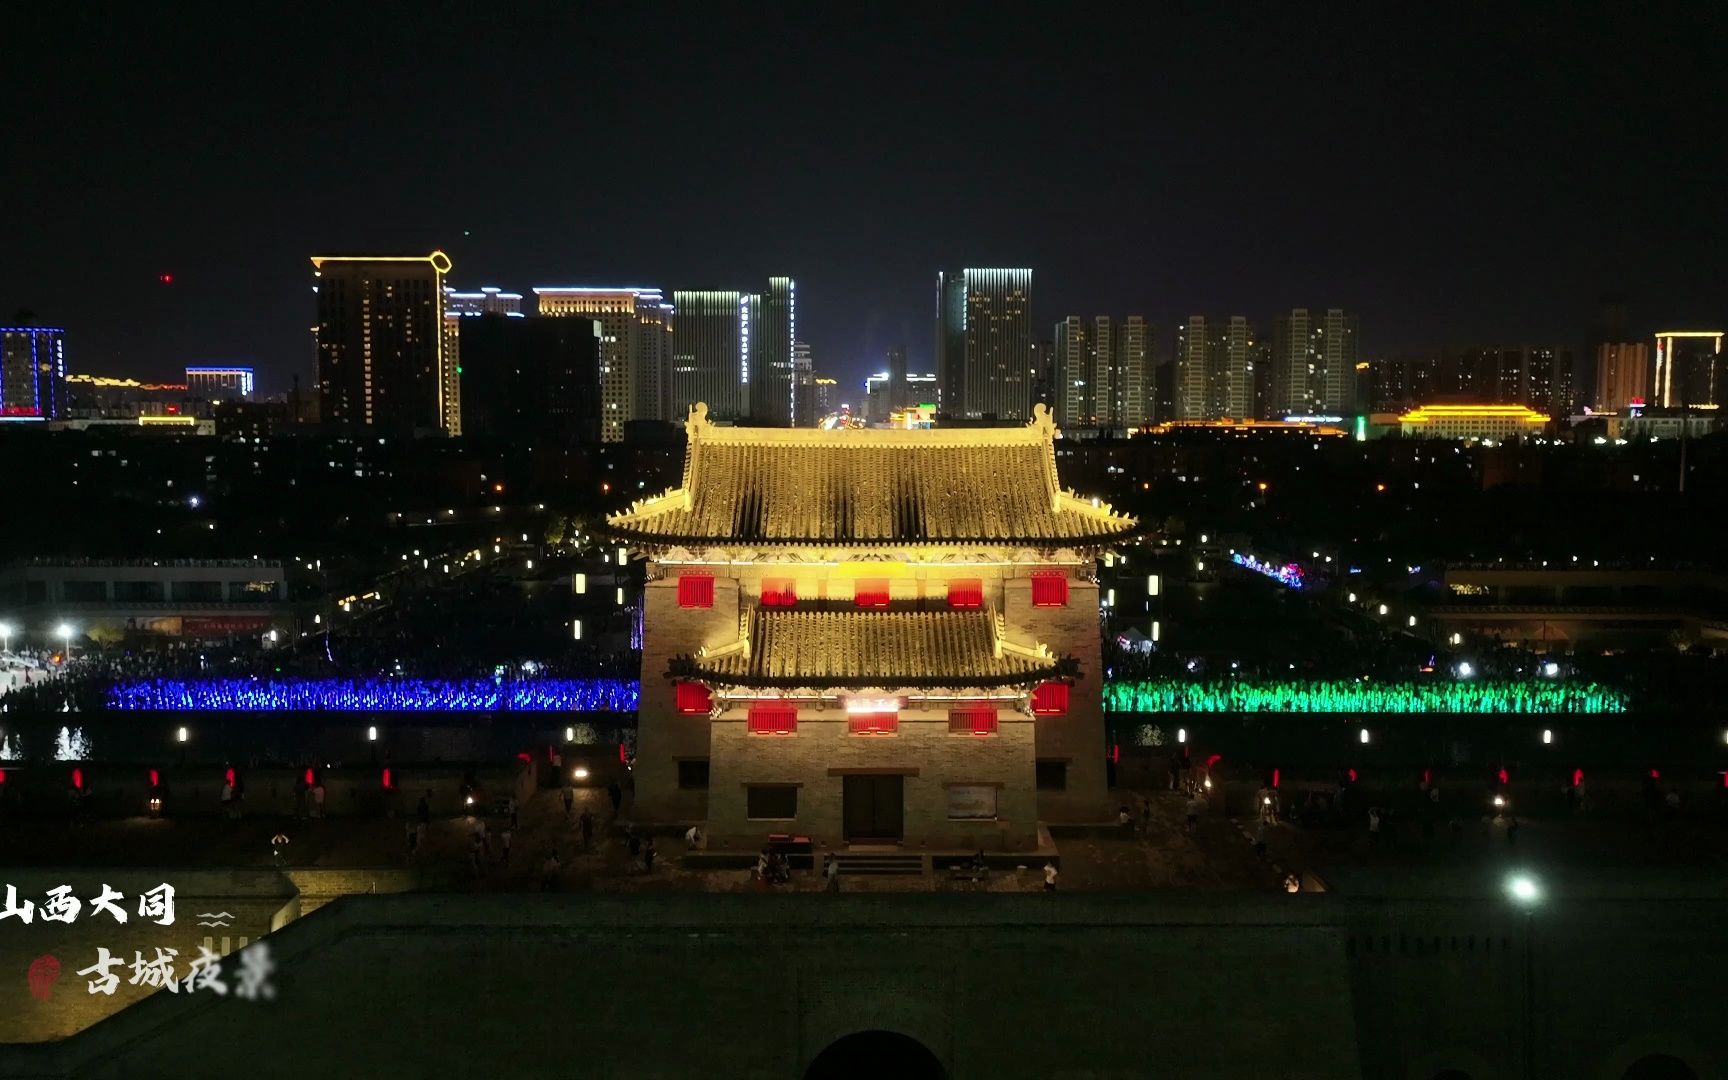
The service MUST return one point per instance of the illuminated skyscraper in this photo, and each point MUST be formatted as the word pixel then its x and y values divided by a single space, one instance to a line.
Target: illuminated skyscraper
pixel 773 332
pixel 219 383
pixel 381 334
pixel 1313 364
pixel 635 342
pixel 804 386
pixel 1215 369
pixel 984 352
pixel 32 373
pixel 710 352
pixel 1103 372
pixel 1688 369
pixel 1622 375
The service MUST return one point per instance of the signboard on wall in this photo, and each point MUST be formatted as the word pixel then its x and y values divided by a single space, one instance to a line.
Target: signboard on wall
pixel 972 802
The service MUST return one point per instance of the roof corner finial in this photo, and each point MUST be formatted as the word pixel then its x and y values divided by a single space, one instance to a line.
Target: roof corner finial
pixel 1042 421
pixel 698 419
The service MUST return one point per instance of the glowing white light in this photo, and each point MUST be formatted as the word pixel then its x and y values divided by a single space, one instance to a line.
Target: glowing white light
pixel 1157 630
pixel 1362 736
pixel 580 773
pixel 1152 584
pixel 1181 734
pixel 1550 669
pixel 1523 889
pixel 1352 598
pixel 1547 736
pixel 372 733
pixel 182 735
pixel 1457 638
pixel 872 705
pixel 1465 669
pixel 576 629
pixel 1411 621
pixel 620 596
pixel 1382 609
pixel 569 734
pixel 581 583
pixel 623 556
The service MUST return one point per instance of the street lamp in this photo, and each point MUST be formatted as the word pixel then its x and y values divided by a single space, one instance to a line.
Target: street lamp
pixel 1526 893
pixel 64 632
pixel 5 637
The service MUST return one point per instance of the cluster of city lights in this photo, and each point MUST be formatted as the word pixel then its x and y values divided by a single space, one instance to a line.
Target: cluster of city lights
pixel 1289 574
pixel 1350 696
pixel 376 695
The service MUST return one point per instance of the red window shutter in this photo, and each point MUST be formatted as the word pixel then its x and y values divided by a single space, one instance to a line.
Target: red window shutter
pixel 773 718
pixel 1050 699
pixel 693 698
pixel 972 721
pixel 1050 589
pixel 871 593
pixel 966 593
pixel 873 723
pixel 779 592
pixel 696 590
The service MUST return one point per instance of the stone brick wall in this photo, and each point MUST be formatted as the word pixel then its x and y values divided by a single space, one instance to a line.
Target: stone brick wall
pixel 663 735
pixel 817 756
pixel 1076 738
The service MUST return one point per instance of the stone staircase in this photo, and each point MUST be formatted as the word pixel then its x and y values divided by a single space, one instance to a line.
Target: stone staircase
pixel 879 864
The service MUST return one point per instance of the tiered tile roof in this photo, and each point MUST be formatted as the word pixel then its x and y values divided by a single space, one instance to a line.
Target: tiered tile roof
pixel 808 487
pixel 861 649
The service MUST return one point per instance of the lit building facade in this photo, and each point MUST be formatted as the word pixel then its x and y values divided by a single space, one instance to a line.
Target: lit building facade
pixel 380 340
pixel 220 383
pixel 32 373
pixel 1622 375
pixel 870 636
pixel 635 347
pixel 1472 422
pixel 709 351
pixel 984 352
pixel 1688 369
pixel 1103 372
pixel 1215 369
pixel 1313 364
pixel 772 349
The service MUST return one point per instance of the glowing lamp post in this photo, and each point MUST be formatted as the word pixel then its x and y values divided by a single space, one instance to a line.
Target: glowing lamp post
pixel 64 632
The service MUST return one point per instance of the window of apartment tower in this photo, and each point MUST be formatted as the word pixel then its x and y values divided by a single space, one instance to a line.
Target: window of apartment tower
pixel 966 593
pixel 696 591
pixel 1050 589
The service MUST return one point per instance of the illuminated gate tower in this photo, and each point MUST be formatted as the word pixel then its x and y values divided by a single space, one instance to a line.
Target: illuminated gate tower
pixel 866 635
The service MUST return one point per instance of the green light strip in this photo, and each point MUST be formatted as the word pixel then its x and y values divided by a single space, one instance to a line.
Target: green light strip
pixel 1350 696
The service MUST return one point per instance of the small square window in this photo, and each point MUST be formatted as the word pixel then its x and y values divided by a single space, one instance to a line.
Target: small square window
pixel 1050 589
pixel 1052 775
pixel 966 593
pixel 773 718
pixel 1050 699
pixel 696 591
pixel 771 802
pixel 976 721
pixel 693 773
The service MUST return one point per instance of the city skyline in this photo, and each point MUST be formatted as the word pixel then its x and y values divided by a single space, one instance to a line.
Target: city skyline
pixel 1424 205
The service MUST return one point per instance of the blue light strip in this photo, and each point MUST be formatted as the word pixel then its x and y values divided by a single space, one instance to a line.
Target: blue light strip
pixel 1289 574
pixel 375 695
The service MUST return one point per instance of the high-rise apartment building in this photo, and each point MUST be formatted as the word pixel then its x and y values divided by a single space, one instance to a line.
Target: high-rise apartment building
pixel 1622 375
pixel 32 373
pixel 710 352
pixel 1313 364
pixel 531 379
pixel 899 391
pixel 1215 369
pixel 1688 369
pixel 1539 377
pixel 490 300
pixel 635 332
pixel 773 335
pixel 1103 372
pixel 984 353
pixel 804 413
pixel 380 339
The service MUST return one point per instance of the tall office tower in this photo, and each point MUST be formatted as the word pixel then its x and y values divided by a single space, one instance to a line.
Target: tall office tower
pixel 532 379
pixel 710 357
pixel 32 373
pixel 1550 384
pixel 804 412
pixel 899 391
pixel 458 305
pixel 380 335
pixel 984 353
pixel 635 328
pixel 1622 375
pixel 1215 374
pixel 773 332
pixel 1313 361
pixel 219 383
pixel 1688 369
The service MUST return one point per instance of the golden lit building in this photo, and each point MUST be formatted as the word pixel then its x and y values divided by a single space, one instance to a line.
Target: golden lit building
pixel 381 338
pixel 871 636
pixel 1470 422
pixel 635 341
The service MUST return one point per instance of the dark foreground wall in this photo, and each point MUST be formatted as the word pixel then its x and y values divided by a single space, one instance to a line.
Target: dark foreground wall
pixel 1182 985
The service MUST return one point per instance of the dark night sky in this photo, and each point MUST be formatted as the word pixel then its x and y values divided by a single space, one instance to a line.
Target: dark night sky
pixel 1460 175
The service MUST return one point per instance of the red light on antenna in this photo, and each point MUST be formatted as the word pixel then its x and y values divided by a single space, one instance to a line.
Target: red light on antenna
pixel 1577 777
pixel 78 779
pixel 155 778
pixel 166 279
pixel 1502 775
pixel 388 781
pixel 228 776
pixel 1274 777
pixel 1352 775
pixel 309 780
